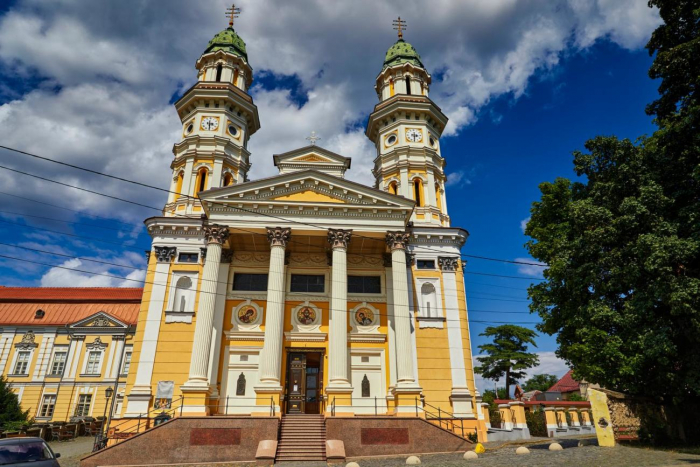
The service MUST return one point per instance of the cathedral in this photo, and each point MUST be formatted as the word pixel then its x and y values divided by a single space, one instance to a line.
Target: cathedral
pixel 305 292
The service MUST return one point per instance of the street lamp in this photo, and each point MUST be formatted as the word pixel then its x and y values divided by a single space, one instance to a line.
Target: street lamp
pixel 99 436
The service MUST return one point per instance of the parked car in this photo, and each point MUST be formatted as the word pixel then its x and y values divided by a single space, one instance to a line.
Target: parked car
pixel 27 451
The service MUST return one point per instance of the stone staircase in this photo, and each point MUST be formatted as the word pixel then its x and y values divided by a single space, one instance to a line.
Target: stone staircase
pixel 302 438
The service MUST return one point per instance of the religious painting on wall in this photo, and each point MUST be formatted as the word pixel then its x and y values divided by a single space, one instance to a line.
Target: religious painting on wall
pixel 164 395
pixel 306 315
pixel 247 315
pixel 364 317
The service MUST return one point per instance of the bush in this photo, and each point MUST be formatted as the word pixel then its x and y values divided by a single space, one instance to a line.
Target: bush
pixel 536 423
pixel 473 437
pixel 495 416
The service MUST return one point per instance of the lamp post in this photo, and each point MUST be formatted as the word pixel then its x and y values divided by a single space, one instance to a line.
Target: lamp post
pixel 99 436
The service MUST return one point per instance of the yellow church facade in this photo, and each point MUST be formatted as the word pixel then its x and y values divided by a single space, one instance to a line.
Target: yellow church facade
pixel 305 292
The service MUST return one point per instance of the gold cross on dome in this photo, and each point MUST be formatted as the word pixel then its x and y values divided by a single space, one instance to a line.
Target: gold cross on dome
pixel 232 13
pixel 313 138
pixel 400 25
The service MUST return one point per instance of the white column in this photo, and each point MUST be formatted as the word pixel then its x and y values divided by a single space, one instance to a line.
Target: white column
pixel 44 355
pixel 430 194
pixel 187 179
pixel 271 355
pixel 338 380
pixel 406 378
pixel 140 394
pixel 8 335
pixel 461 397
pixel 218 329
pixel 391 324
pixel 120 346
pixel 216 180
pixel 215 235
pixel 406 187
pixel 75 356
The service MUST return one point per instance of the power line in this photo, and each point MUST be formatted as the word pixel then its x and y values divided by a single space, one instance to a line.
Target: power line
pixel 145 185
pixel 135 268
pixel 212 293
pixel 64 221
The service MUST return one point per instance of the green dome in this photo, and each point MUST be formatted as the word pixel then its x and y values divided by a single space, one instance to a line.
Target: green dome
pixel 228 41
pixel 402 52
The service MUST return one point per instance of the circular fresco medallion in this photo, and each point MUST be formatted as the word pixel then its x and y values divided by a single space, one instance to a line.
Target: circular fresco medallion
pixel 364 317
pixel 247 315
pixel 306 315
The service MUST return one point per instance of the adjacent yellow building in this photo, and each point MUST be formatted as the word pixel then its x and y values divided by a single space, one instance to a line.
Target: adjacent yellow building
pixel 304 292
pixel 60 348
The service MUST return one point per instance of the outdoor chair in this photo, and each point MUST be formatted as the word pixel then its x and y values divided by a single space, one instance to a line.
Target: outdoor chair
pixel 66 432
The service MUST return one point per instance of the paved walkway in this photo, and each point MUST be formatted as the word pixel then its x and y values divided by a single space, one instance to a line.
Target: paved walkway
pixel 72 451
pixel 590 455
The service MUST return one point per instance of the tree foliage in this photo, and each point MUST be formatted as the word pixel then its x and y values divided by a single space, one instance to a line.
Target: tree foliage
pixel 10 411
pixel 507 355
pixel 622 288
pixel 540 382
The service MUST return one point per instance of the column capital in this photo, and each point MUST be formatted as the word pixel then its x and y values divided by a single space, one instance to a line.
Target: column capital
pixel 278 236
pixel 216 233
pixel 397 240
pixel 448 263
pixel 339 238
pixel 226 256
pixel 165 254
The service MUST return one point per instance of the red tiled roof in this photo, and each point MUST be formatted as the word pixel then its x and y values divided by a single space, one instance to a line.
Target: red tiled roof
pixel 567 383
pixel 71 293
pixel 63 306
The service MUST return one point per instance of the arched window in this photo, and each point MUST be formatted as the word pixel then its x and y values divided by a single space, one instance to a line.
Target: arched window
pixel 178 185
pixel 228 179
pixel 219 69
pixel 418 191
pixel 391 87
pixel 429 300
pixel 408 85
pixel 235 77
pixel 394 188
pixel 438 198
pixel 201 180
pixel 183 292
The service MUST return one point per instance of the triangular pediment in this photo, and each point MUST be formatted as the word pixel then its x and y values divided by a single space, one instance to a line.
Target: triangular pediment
pixel 305 188
pixel 312 158
pixel 99 321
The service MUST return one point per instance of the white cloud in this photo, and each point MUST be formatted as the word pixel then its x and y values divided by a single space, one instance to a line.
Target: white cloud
pixel 549 364
pixel 528 270
pixel 523 223
pixel 77 272
pixel 111 73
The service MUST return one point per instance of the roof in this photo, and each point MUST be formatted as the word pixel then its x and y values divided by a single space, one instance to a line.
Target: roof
pixel 229 41
pixel 567 383
pixel 402 52
pixel 62 306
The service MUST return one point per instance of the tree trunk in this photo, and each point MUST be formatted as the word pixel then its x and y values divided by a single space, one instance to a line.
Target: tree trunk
pixel 507 383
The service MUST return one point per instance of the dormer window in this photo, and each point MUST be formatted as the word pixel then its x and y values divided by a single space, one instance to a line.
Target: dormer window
pixel 219 69
pixel 408 85
pixel 38 314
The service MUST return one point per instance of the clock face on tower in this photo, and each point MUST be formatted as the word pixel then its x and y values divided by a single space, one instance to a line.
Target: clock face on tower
pixel 414 135
pixel 210 123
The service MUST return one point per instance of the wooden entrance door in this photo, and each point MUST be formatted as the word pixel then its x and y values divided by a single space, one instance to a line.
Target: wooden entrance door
pixel 304 382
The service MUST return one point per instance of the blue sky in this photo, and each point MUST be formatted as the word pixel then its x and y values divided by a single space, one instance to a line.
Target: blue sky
pixel 519 107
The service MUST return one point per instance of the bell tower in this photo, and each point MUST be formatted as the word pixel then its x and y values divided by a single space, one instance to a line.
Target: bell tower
pixel 405 128
pixel 218 118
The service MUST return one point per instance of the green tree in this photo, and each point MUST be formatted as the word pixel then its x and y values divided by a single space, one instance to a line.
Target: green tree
pixel 10 411
pixel 507 355
pixel 540 382
pixel 622 287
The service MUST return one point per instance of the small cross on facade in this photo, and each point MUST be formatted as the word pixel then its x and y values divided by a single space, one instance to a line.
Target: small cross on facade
pixel 400 26
pixel 232 13
pixel 313 138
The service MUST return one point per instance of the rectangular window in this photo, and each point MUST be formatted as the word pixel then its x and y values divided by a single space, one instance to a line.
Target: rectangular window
pixel 307 283
pixel 127 363
pixel 250 282
pixel 22 364
pixel 47 406
pixel 364 284
pixel 425 264
pixel 59 363
pixel 188 258
pixel 83 407
pixel 93 363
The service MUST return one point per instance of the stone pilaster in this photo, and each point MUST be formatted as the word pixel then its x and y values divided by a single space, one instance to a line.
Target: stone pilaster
pixel 339 382
pixel 407 388
pixel 216 236
pixel 271 355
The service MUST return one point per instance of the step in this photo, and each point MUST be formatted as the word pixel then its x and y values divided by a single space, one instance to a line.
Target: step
pixel 313 449
pixel 301 459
